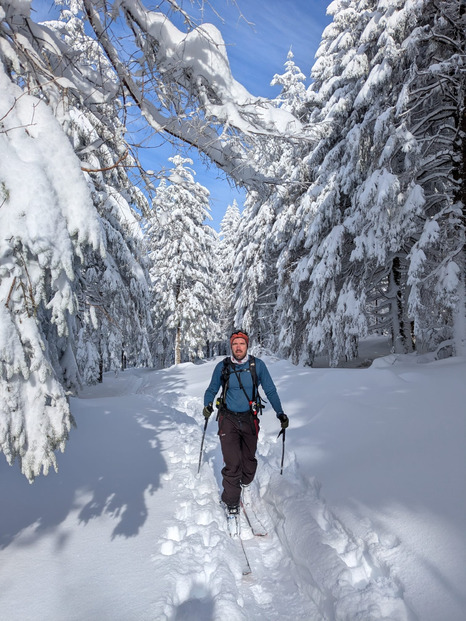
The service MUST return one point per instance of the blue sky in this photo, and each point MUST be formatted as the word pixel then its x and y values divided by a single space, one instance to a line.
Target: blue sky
pixel 257 50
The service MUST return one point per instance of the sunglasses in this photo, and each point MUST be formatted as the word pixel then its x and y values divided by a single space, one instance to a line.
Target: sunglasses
pixel 241 333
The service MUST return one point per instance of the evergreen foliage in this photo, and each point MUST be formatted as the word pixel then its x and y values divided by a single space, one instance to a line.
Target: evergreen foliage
pixel 227 251
pixel 181 253
pixel 369 221
pixel 269 221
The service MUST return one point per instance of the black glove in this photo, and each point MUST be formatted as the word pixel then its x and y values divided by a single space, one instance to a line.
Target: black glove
pixel 283 418
pixel 207 411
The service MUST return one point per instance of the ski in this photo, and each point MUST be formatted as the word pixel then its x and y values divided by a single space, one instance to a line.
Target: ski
pixel 233 524
pixel 253 521
pixel 247 567
pixel 234 530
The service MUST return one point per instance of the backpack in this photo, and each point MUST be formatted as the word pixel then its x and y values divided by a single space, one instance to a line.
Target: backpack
pixel 256 402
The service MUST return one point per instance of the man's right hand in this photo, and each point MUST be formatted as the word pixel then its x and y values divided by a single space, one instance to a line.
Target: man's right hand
pixel 207 411
pixel 283 418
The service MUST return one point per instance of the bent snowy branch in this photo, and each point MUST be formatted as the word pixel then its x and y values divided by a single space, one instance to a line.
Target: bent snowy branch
pixel 193 95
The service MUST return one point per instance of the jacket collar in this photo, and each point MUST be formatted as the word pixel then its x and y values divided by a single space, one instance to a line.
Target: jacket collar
pixel 234 361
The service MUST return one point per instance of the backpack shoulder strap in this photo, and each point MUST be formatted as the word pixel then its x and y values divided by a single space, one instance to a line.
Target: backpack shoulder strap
pixel 255 382
pixel 225 376
pixel 226 369
pixel 252 369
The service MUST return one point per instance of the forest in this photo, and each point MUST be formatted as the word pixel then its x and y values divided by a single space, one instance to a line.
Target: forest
pixel 353 223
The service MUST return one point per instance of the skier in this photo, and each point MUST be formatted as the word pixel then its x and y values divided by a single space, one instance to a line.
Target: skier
pixel 238 426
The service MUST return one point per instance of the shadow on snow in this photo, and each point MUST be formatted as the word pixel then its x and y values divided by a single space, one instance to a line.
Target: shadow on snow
pixel 113 456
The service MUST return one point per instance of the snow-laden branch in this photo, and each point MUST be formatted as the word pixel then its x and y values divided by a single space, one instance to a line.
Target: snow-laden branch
pixel 214 112
pixel 198 61
pixel 181 82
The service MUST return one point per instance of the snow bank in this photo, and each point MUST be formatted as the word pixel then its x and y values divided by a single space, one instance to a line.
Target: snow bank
pixel 367 521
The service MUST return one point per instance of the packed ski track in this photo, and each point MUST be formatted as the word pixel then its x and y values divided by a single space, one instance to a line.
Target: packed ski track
pixel 309 564
pixel 129 530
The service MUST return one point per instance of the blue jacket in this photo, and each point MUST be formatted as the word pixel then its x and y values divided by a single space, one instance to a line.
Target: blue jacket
pixel 236 400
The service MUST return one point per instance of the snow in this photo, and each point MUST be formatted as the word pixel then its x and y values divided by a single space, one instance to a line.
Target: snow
pixel 379 76
pixel 367 521
pixel 203 55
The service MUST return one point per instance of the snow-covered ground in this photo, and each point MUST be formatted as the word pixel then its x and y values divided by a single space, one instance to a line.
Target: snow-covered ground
pixel 367 521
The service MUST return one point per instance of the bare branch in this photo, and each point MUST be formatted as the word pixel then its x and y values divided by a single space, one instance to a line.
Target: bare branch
pixel 117 163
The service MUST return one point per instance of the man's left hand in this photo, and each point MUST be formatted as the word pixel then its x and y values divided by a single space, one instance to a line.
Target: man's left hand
pixel 207 411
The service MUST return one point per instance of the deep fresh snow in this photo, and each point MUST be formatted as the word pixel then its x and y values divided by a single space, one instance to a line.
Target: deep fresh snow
pixel 366 523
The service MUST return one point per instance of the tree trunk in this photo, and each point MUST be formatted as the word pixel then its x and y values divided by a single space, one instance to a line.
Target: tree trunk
pixel 459 314
pixel 400 328
pixel 178 345
pixel 101 368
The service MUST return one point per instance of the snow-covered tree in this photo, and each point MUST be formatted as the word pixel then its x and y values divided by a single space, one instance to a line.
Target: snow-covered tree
pixel 434 106
pixel 318 249
pixel 182 253
pixel 47 221
pixel 293 94
pixel 177 92
pixel 409 132
pixel 255 271
pixel 354 258
pixel 267 223
pixel 226 253
pixel 114 298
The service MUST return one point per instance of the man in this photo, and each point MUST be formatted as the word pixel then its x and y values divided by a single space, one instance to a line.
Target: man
pixel 238 424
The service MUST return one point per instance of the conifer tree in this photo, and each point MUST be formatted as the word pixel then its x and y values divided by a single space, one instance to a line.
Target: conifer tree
pixel 181 252
pixel 434 108
pixel 268 220
pixel 47 225
pixel 113 321
pixel 227 251
pixel 357 257
pixel 293 94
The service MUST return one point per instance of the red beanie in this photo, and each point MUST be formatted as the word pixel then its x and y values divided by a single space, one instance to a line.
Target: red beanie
pixel 240 335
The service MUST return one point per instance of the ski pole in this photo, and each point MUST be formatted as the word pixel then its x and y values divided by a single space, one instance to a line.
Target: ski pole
pixel 202 445
pixel 283 449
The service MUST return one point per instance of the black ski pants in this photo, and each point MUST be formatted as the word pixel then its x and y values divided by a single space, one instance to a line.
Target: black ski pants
pixel 238 432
